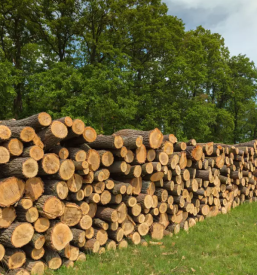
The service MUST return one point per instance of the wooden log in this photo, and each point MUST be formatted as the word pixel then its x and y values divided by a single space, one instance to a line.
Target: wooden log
pixel 134 237
pixel 132 142
pixel 30 215
pixel 66 170
pixel 17 235
pixel 61 152
pixel 148 187
pixel 145 200
pixel 156 231
pixel 151 139
pixel 49 165
pixel 107 214
pixel 110 245
pixel 116 235
pixel 5 133
pixel 101 236
pixel 33 253
pixel 53 134
pixel 37 241
pixel 2 252
pixel 107 142
pixel 58 236
pixel 7 216
pixel 41 225
pixel 14 258
pixel 92 246
pixel 35 267
pixel 52 259
pixel 34 152
pixel 4 155
pixel 20 167
pixel 36 121
pixel 56 188
pixel 78 236
pixel 34 188
pixel 49 207
pixel 72 214
pixel 77 154
pixel 107 157
pixel 25 134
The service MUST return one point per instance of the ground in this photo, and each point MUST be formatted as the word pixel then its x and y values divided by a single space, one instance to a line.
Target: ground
pixel 226 244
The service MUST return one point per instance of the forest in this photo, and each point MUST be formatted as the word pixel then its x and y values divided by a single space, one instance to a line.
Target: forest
pixel 123 64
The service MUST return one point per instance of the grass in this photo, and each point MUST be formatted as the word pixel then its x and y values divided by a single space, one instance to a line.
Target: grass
pixel 226 244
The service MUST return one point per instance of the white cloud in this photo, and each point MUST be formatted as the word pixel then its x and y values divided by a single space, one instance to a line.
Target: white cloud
pixel 235 20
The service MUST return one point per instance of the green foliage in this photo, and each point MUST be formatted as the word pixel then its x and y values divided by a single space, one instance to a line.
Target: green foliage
pixel 123 64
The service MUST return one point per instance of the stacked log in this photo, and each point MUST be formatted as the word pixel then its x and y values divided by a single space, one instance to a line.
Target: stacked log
pixel 66 192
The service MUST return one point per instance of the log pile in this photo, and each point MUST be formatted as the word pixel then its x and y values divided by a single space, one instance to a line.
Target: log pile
pixel 66 192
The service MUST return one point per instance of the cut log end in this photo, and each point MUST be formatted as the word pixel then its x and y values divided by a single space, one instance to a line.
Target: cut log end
pixel 89 134
pixel 5 133
pixel 155 138
pixel 44 119
pixel 4 155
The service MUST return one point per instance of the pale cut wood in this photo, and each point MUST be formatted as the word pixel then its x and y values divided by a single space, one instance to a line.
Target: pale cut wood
pixel 92 246
pixel 4 155
pixel 5 133
pixel 49 207
pixel 35 267
pixel 14 258
pixel 2 252
pixel 107 142
pixel 52 258
pixel 58 236
pixel 37 241
pixel 72 214
pixel 17 235
pixel 49 165
pixel 7 216
pixel 57 188
pixel 34 152
pixel 61 152
pixel 34 188
pixel 41 225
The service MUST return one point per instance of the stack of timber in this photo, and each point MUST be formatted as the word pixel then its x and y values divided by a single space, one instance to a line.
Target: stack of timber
pixel 66 192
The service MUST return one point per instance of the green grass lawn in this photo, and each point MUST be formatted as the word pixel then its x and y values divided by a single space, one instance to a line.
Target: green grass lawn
pixel 226 244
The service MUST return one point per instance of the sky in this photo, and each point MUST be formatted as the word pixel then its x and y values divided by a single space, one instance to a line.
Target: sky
pixel 235 20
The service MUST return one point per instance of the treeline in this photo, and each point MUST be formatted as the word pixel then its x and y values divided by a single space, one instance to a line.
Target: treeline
pixel 123 64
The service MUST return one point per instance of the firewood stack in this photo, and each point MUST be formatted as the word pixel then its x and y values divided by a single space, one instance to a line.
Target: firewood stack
pixel 66 192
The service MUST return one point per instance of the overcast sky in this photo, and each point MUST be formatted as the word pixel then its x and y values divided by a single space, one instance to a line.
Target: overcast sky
pixel 235 20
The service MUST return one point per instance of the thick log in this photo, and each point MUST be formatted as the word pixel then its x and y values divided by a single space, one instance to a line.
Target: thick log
pixel 151 139
pixel 17 235
pixel 58 236
pixel 20 167
pixel 56 188
pixel 35 267
pixel 53 134
pixel 7 216
pixel 5 133
pixel 72 214
pixel 25 134
pixel 133 142
pixel 36 121
pixel 14 258
pixel 34 152
pixel 33 253
pixel 107 214
pixel 49 165
pixel 52 259
pixel 61 152
pixel 4 155
pixel 37 241
pixel 107 142
pixel 107 157
pixel 41 225
pixel 49 207
pixel 30 215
